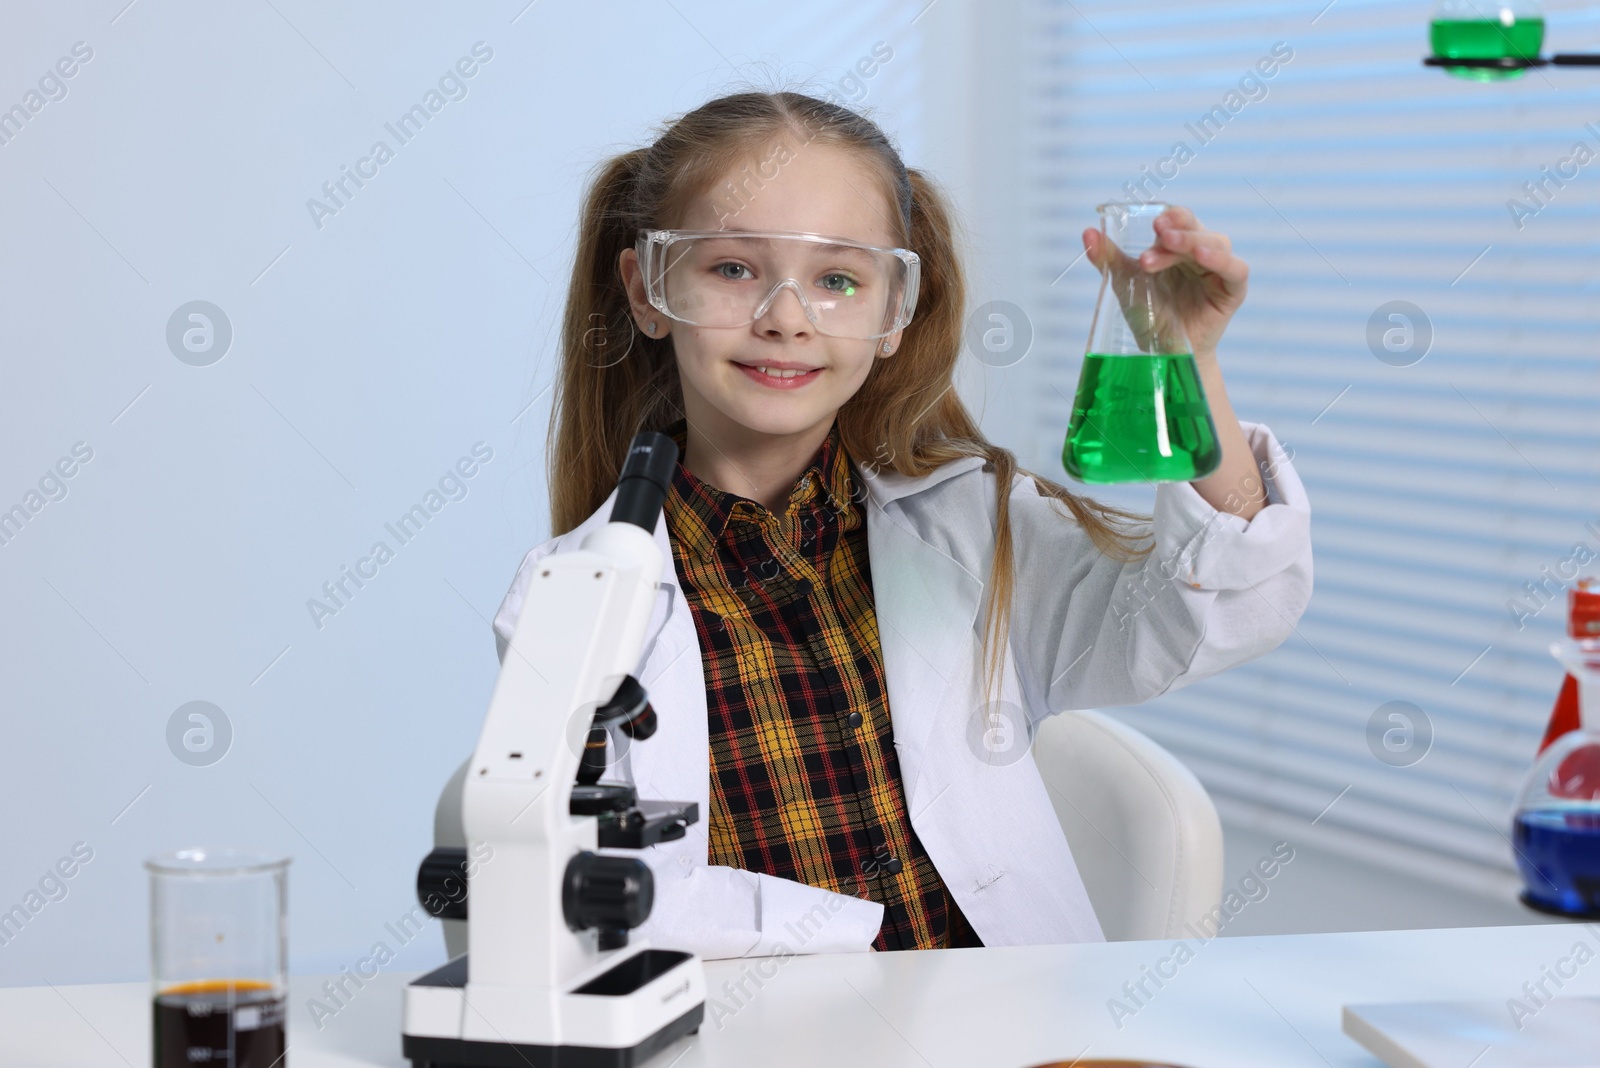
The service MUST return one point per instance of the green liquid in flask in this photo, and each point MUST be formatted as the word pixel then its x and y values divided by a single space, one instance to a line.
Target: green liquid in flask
pixel 1487 39
pixel 1140 418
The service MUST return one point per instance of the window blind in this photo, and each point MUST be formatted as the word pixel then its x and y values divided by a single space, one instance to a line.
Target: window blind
pixel 1455 484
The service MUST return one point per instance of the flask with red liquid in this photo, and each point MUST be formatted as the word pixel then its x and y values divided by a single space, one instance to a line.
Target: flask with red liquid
pixel 1556 830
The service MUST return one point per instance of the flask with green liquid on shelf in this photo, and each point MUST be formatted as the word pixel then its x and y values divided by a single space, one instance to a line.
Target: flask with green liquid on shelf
pixel 1140 414
pixel 1484 29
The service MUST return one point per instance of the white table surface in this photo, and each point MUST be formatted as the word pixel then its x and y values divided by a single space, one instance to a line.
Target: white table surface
pixel 1269 1001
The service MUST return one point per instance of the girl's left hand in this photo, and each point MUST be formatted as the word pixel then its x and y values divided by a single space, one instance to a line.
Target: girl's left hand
pixel 1209 283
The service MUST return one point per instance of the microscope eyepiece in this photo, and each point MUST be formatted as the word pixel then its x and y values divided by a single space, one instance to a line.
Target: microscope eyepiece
pixel 646 477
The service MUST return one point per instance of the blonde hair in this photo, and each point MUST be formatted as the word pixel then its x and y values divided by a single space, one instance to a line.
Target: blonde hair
pixel 906 415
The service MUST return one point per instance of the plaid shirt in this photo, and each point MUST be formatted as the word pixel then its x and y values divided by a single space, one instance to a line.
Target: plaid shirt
pixel 805 779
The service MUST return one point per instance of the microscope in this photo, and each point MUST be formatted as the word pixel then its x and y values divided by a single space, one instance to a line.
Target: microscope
pixel 549 979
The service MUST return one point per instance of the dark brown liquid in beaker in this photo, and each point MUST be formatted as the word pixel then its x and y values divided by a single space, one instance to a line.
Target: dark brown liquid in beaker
pixel 235 1024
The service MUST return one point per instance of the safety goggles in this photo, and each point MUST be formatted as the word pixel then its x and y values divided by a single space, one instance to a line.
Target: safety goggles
pixel 729 278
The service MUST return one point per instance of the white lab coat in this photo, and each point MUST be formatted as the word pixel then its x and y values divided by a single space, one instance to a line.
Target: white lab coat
pixel 1086 631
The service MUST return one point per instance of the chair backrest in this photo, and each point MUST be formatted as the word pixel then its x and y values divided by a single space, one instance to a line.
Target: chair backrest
pixel 1143 831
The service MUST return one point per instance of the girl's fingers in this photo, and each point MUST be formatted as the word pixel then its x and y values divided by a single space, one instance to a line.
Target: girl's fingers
pixel 1233 270
pixel 1174 244
pixel 1181 241
pixel 1177 230
pixel 1180 217
pixel 1205 250
pixel 1099 249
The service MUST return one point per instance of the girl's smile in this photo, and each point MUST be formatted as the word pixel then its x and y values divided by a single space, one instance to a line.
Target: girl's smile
pixel 779 374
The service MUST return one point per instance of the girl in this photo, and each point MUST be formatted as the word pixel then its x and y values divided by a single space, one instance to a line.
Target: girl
pixel 769 284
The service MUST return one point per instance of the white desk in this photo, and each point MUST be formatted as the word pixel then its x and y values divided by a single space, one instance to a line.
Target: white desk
pixel 1239 1002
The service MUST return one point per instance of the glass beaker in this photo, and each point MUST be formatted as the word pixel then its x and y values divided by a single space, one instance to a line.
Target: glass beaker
pixel 218 958
pixel 1140 414
pixel 1483 29
pixel 1556 830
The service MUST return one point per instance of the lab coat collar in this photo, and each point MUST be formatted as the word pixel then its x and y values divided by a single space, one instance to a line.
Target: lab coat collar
pixel 885 487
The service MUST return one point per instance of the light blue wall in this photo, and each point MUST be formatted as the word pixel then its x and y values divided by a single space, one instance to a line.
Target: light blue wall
pixel 368 354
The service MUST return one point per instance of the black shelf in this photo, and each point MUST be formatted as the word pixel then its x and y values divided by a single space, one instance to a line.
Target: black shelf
pixel 1562 59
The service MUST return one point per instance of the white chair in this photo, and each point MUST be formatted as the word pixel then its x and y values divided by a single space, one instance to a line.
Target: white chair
pixel 1143 831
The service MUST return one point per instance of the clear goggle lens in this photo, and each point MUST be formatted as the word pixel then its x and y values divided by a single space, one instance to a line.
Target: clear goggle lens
pixel 720 278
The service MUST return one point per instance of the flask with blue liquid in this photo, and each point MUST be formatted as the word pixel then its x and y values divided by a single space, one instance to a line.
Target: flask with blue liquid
pixel 1556 830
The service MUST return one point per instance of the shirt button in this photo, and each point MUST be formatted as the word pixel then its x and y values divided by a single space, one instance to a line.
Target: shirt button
pixel 894 866
pixel 803 587
pixel 854 719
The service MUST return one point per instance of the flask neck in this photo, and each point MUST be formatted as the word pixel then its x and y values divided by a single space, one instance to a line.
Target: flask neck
pixel 1583 609
pixel 1581 657
pixel 1580 650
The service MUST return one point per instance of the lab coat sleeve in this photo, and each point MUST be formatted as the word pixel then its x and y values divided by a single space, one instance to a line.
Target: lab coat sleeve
pixel 715 910
pixel 718 911
pixel 505 617
pixel 1216 591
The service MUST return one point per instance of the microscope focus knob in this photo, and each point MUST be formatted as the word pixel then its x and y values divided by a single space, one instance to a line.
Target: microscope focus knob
pixel 610 893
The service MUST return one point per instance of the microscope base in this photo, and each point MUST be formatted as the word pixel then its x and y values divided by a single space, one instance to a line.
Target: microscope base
pixel 437 996
pixel 463 1053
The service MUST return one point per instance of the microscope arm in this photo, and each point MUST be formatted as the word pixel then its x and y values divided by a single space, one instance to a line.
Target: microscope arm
pixel 580 633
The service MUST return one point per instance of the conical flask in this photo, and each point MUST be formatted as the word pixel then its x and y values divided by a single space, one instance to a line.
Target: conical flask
pixel 1140 414
pixel 1487 29
pixel 1556 829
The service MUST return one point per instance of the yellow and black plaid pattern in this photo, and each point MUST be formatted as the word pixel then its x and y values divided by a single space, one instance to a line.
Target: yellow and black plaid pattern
pixel 805 780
